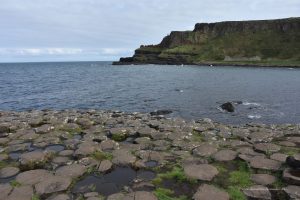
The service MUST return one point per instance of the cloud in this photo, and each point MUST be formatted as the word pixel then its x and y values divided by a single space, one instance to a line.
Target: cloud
pixel 101 28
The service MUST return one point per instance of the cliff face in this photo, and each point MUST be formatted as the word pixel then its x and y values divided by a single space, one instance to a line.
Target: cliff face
pixel 263 42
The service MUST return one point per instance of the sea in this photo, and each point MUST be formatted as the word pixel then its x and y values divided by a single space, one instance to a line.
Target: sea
pixel 260 94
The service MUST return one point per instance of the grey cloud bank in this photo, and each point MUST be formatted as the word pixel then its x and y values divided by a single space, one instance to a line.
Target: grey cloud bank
pixel 58 30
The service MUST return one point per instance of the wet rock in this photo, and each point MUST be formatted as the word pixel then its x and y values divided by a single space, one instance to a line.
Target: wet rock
pixel 291 176
pixel 21 193
pixel 205 150
pixel 258 192
pixel 9 172
pixel 204 172
pixel 292 191
pixel 267 147
pixel 91 194
pixel 225 155
pixel 161 112
pixel 263 179
pixel 228 107
pixel 33 177
pixel 52 184
pixel 293 162
pixel 264 163
pixel 105 166
pixel 209 192
pixel 72 171
pixel 5 190
pixel 123 157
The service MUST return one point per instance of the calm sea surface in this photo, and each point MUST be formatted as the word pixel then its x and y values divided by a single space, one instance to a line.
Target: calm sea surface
pixel 269 95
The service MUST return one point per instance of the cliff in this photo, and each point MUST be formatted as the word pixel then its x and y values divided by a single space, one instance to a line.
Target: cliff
pixel 261 42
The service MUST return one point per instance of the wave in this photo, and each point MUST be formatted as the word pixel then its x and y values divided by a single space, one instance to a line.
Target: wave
pixel 254 116
pixel 251 104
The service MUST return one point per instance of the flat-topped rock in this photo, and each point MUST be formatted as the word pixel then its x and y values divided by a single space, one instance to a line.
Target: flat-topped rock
pixel 9 172
pixel 123 157
pixel 205 150
pixel 267 147
pixel 21 193
pixel 33 177
pixel 263 179
pixel 52 184
pixel 291 176
pixel 204 172
pixel 33 158
pixel 279 157
pixel 259 162
pixel 46 128
pixel 59 197
pixel 5 189
pixel 209 192
pixel 72 171
pixel 258 192
pixel 105 166
pixel 292 191
pixel 225 155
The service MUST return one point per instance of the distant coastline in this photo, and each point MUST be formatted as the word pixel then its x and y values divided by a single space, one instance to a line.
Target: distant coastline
pixel 262 43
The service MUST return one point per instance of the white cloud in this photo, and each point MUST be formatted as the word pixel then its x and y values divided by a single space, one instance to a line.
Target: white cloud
pixel 115 27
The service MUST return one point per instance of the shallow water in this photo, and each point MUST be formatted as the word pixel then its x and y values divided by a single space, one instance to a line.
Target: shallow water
pixel 269 95
pixel 112 182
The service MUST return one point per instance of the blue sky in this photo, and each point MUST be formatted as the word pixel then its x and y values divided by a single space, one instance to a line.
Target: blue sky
pixel 73 30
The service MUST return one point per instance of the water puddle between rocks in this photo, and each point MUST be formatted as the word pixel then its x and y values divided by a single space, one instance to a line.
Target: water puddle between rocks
pixel 151 163
pixel 55 148
pixel 112 182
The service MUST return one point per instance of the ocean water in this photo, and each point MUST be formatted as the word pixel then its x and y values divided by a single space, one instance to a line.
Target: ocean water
pixel 268 95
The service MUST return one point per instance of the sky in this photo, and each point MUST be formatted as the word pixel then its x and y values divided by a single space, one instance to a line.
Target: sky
pixel 104 30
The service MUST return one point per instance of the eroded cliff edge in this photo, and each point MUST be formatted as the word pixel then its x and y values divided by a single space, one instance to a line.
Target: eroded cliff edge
pixel 261 42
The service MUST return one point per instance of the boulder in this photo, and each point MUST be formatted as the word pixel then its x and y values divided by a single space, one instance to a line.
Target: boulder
pixel 228 107
pixel 291 176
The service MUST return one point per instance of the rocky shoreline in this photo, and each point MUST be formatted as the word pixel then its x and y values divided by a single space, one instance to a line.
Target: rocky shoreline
pixel 91 154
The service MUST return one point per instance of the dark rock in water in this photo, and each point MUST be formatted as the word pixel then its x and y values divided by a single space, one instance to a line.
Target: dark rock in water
pixel 228 107
pixel 161 112
pixel 292 162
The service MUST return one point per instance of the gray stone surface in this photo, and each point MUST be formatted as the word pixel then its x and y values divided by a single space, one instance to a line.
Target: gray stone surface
pixel 7 172
pixel 258 192
pixel 209 192
pixel 204 172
